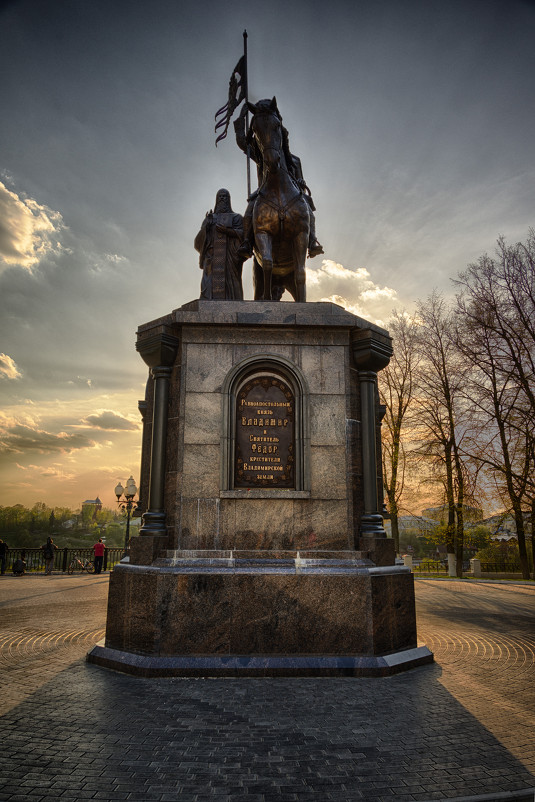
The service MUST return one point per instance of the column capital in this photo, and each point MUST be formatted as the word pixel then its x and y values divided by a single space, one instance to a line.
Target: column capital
pixel 371 349
pixel 158 349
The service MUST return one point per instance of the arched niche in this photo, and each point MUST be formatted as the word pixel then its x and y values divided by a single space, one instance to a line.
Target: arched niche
pixel 265 439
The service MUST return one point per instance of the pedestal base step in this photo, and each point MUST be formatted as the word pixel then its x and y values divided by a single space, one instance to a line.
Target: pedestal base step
pixel 259 665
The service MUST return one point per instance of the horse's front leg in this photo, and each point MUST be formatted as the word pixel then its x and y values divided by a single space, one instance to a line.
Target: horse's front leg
pixel 258 281
pixel 263 241
pixel 300 252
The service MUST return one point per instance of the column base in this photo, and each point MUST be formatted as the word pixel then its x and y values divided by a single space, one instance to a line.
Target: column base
pixel 153 523
pixel 371 525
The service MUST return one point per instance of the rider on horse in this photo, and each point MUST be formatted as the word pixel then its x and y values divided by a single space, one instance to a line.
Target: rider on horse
pixel 293 166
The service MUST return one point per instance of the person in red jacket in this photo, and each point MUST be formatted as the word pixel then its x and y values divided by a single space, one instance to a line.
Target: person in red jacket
pixel 98 549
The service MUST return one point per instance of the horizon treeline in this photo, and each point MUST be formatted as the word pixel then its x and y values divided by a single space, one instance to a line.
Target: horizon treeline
pixel 22 526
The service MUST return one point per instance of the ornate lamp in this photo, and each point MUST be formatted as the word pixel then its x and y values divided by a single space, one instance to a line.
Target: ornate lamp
pixel 125 500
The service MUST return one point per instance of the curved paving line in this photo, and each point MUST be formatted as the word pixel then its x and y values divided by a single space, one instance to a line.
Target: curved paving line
pixel 17 645
pixel 495 653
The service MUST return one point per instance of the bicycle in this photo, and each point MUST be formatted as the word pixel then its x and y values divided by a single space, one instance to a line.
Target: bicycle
pixel 76 564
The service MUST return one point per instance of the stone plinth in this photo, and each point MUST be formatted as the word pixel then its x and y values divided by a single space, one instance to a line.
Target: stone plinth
pixel 256 613
pixel 262 549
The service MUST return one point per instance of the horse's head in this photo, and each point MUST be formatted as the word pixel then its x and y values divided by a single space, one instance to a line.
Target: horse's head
pixel 266 128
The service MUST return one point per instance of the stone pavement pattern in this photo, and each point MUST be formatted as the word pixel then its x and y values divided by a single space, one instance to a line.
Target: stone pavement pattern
pixel 73 731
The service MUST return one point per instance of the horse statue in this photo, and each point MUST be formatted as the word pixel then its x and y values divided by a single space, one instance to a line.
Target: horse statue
pixel 281 214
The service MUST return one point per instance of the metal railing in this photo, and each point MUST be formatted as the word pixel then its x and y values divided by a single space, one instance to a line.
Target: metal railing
pixel 487 567
pixel 429 567
pixel 495 567
pixel 35 560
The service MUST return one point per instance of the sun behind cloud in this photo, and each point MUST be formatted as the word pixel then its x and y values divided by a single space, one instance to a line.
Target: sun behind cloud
pixel 354 289
pixel 28 230
pixel 8 368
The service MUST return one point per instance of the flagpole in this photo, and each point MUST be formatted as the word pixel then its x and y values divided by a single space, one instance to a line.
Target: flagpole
pixel 246 93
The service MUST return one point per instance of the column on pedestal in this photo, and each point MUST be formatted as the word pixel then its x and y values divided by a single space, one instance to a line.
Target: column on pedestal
pixel 159 353
pixel 146 438
pixel 371 353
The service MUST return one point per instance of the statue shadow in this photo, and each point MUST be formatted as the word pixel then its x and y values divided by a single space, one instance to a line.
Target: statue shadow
pixel 93 730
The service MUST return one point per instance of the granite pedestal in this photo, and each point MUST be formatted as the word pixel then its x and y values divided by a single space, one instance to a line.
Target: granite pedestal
pixel 262 549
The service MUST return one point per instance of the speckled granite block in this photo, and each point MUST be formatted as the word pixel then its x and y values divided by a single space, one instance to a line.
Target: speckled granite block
pixel 328 475
pixel 199 524
pixel 381 550
pixel 275 605
pixel 328 420
pixel 393 612
pixel 202 418
pixel 197 614
pixel 324 367
pixel 144 549
pixel 289 614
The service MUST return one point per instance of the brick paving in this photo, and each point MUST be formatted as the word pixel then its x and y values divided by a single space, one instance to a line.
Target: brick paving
pixel 73 731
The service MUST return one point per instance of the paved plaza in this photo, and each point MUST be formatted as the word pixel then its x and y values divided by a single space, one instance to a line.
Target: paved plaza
pixel 461 727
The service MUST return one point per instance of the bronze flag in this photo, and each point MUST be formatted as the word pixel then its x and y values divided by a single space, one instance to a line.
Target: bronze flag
pixel 236 93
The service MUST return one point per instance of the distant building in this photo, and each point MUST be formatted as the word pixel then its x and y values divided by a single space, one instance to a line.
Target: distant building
pixel 440 514
pixel 503 526
pixel 412 523
pixel 90 507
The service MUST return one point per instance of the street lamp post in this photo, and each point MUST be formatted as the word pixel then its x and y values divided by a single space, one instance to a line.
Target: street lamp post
pixel 127 504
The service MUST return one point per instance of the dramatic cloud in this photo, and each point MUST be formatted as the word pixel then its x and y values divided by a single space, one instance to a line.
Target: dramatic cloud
pixel 352 289
pixel 8 368
pixel 52 471
pixel 107 419
pixel 55 471
pixel 28 231
pixel 21 438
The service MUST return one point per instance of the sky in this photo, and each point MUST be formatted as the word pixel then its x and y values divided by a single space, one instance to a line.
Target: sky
pixel 414 123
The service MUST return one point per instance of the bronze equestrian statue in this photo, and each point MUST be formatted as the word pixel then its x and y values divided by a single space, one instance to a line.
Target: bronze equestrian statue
pixel 281 212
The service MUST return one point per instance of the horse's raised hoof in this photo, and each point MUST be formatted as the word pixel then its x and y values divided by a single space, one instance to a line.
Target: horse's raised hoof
pixel 315 249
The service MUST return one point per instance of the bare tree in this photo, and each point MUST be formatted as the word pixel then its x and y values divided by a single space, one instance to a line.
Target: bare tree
pixel 443 414
pixel 496 314
pixel 396 388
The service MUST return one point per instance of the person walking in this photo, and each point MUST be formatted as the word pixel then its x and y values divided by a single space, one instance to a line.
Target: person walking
pixel 4 548
pixel 49 549
pixel 98 550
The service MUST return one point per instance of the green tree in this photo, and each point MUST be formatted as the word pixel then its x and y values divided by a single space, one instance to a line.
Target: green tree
pixel 114 535
pixel 477 537
pixel 410 541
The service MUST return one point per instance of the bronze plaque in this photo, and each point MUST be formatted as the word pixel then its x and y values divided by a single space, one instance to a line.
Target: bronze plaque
pixel 265 415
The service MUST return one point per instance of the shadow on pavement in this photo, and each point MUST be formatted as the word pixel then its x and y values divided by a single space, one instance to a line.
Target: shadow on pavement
pixel 91 731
